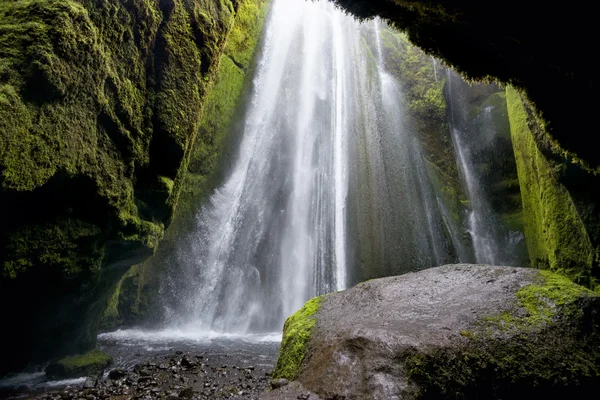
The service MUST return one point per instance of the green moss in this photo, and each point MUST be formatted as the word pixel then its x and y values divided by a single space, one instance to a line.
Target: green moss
pixel 448 187
pixel 100 105
pixel 69 245
pixel 90 364
pixel 111 318
pixel 555 233
pixel 514 221
pixel 225 87
pixel 541 346
pixel 297 332
pixel 541 302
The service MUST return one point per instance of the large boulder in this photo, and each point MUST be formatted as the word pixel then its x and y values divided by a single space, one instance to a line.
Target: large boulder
pixel 457 331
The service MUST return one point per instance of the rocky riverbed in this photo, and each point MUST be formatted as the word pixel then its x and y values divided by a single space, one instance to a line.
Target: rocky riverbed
pixel 230 369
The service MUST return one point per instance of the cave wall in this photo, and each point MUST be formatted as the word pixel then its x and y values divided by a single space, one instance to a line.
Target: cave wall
pixel 542 50
pixel 560 201
pixel 100 105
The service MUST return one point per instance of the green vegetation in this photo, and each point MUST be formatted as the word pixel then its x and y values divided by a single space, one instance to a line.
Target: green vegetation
pixel 540 303
pixel 297 332
pixel 229 83
pixel 518 349
pixel 423 88
pixel 90 364
pixel 557 237
pixel 100 105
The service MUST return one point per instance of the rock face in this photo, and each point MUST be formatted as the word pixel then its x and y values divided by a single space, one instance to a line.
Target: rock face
pixel 457 331
pixel 561 202
pixel 100 108
pixel 135 301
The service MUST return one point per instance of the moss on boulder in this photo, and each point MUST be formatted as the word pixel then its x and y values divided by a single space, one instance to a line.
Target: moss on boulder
pixel 454 332
pixel 297 331
pixel 89 364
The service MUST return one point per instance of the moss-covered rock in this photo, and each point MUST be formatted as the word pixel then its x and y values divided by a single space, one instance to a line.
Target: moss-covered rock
pixel 100 106
pixel 133 300
pixel 560 202
pixel 297 331
pixel 89 364
pixel 454 332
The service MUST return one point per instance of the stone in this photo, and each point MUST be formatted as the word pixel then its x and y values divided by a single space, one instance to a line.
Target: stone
pixel 186 393
pixel 89 364
pixel 277 383
pixel 457 331
pixel 117 373
pixel 186 363
pixel 292 391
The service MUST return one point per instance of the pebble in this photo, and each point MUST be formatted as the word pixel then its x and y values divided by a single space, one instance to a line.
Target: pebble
pixel 277 383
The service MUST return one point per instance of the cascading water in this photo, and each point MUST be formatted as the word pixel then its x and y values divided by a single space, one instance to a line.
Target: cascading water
pixel 396 222
pixel 273 235
pixel 329 185
pixel 475 140
pixel 326 173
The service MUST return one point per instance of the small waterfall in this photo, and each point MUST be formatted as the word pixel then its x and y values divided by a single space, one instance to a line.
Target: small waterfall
pixel 435 71
pixel 474 140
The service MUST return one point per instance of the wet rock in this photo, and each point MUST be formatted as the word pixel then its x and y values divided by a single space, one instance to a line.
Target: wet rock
pixel 186 393
pixel 89 383
pixel 117 373
pixel 457 331
pixel 278 383
pixel 89 364
pixel 144 379
pixel 186 363
pixel 293 391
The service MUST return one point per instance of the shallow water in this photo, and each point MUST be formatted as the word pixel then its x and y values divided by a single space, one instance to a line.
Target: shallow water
pixel 134 346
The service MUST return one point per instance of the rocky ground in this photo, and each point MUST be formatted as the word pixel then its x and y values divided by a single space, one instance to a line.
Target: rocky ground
pixel 175 375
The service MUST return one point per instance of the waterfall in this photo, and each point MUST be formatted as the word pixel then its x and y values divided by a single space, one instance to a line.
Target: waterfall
pixel 273 234
pixel 474 140
pixel 328 185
